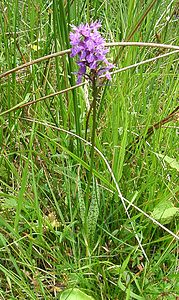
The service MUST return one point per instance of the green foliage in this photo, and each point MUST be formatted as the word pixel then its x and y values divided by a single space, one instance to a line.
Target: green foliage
pixel 93 212
pixel 75 294
pixel 171 161
pixel 51 239
pixel 165 212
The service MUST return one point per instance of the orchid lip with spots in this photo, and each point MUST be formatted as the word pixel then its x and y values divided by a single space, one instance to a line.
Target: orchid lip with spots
pixel 88 44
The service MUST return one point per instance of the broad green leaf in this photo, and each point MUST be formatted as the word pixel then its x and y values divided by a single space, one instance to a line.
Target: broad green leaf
pixel 165 211
pixel 93 210
pixel 74 294
pixel 171 161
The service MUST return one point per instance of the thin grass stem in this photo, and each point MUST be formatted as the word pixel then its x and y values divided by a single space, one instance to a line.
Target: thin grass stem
pixel 22 104
pixel 64 52
pixel 112 175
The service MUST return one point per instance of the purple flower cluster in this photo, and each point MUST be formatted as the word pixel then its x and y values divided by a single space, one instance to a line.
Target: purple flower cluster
pixel 89 45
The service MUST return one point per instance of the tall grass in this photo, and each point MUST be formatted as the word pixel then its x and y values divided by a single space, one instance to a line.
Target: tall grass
pixel 45 159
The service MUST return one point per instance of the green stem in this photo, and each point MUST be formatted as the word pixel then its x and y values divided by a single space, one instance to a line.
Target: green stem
pixel 95 95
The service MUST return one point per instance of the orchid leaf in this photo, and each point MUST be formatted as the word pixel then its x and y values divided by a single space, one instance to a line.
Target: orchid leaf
pixel 75 294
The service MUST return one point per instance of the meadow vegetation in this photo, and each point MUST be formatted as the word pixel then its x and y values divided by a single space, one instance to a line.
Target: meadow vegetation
pixel 117 237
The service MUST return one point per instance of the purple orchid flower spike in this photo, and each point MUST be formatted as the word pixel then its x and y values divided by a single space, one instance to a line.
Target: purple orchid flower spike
pixel 88 44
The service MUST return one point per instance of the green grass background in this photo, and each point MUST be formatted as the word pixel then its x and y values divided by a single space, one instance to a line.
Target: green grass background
pixel 47 240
